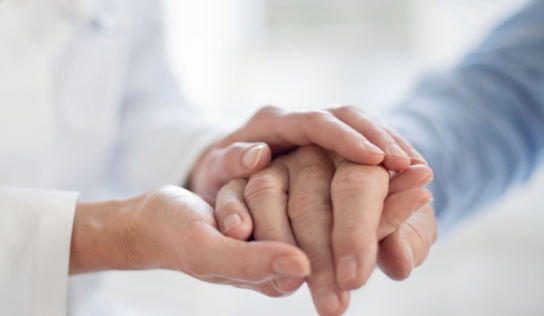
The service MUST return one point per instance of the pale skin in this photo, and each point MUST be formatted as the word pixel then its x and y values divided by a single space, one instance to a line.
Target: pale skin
pixel 175 229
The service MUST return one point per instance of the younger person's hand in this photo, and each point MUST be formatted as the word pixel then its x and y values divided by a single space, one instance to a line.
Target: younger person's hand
pixel 172 228
pixel 346 130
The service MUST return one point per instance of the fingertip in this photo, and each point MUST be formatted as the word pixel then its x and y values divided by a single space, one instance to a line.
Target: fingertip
pixel 416 157
pixel 413 176
pixel 330 301
pixel 234 226
pixel 370 154
pixel 292 264
pixel 396 259
pixel 395 163
pixel 256 157
pixel 231 213
pixel 263 160
pixel 288 284
pixel 353 268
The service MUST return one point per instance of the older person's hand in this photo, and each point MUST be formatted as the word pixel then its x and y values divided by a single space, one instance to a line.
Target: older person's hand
pixel 172 228
pixel 346 130
pixel 334 210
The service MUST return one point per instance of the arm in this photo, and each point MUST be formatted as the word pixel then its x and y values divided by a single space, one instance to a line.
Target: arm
pixel 481 126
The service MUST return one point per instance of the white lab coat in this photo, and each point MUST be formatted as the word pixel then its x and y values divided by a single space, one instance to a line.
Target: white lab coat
pixel 89 110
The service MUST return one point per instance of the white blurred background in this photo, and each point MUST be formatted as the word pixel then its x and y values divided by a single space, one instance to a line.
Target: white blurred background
pixel 233 56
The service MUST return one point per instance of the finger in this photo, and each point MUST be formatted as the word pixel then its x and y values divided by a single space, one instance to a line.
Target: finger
pixel 266 197
pixel 409 246
pixel 240 260
pixel 399 207
pixel 231 212
pixel 283 130
pixel 395 157
pixel 310 212
pixel 416 176
pixel 415 156
pixel 358 193
pixel 237 160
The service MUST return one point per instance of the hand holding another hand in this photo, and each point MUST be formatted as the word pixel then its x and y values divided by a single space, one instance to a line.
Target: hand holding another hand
pixel 172 228
pixel 345 130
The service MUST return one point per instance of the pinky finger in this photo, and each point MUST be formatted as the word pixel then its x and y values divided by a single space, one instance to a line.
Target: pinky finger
pixel 409 246
pixel 231 212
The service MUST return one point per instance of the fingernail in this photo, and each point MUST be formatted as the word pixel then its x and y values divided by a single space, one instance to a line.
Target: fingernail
pixel 231 221
pixel 346 268
pixel 290 266
pixel 284 281
pixel 423 203
pixel 326 301
pixel 425 182
pixel 372 148
pixel 414 155
pixel 395 150
pixel 252 156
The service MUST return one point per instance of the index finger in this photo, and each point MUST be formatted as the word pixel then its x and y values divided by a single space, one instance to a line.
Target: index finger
pixel 358 193
pixel 283 130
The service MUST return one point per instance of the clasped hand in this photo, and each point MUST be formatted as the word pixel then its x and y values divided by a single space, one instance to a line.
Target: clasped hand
pixel 343 215
pixel 325 212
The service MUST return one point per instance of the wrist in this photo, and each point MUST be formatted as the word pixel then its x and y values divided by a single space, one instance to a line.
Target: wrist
pixel 105 237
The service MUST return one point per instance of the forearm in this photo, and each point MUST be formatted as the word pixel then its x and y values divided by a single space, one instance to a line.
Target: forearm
pixel 481 126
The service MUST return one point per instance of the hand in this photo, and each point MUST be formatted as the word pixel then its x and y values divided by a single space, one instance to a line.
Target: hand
pixel 332 209
pixel 172 228
pixel 345 130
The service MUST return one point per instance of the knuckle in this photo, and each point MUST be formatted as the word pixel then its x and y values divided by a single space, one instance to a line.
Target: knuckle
pixel 264 185
pixel 315 116
pixel 354 235
pixel 321 262
pixel 303 207
pixel 266 110
pixel 313 156
pixel 357 179
pixel 348 110
pixel 270 109
pixel 269 233
pixel 264 114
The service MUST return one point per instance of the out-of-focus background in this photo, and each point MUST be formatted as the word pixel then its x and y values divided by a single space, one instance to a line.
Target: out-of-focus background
pixel 233 56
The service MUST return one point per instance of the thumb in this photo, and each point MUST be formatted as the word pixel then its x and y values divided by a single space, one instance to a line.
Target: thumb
pixel 221 165
pixel 248 261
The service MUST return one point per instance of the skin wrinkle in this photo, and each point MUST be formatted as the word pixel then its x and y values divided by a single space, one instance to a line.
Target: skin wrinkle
pixel 305 178
pixel 423 243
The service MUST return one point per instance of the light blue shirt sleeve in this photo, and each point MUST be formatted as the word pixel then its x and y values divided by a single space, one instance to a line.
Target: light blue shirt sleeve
pixel 481 125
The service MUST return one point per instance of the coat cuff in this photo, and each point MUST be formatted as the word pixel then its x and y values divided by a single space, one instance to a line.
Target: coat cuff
pixel 53 257
pixel 35 238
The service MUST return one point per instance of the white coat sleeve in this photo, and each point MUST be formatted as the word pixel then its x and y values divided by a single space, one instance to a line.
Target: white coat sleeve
pixel 35 237
pixel 160 137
